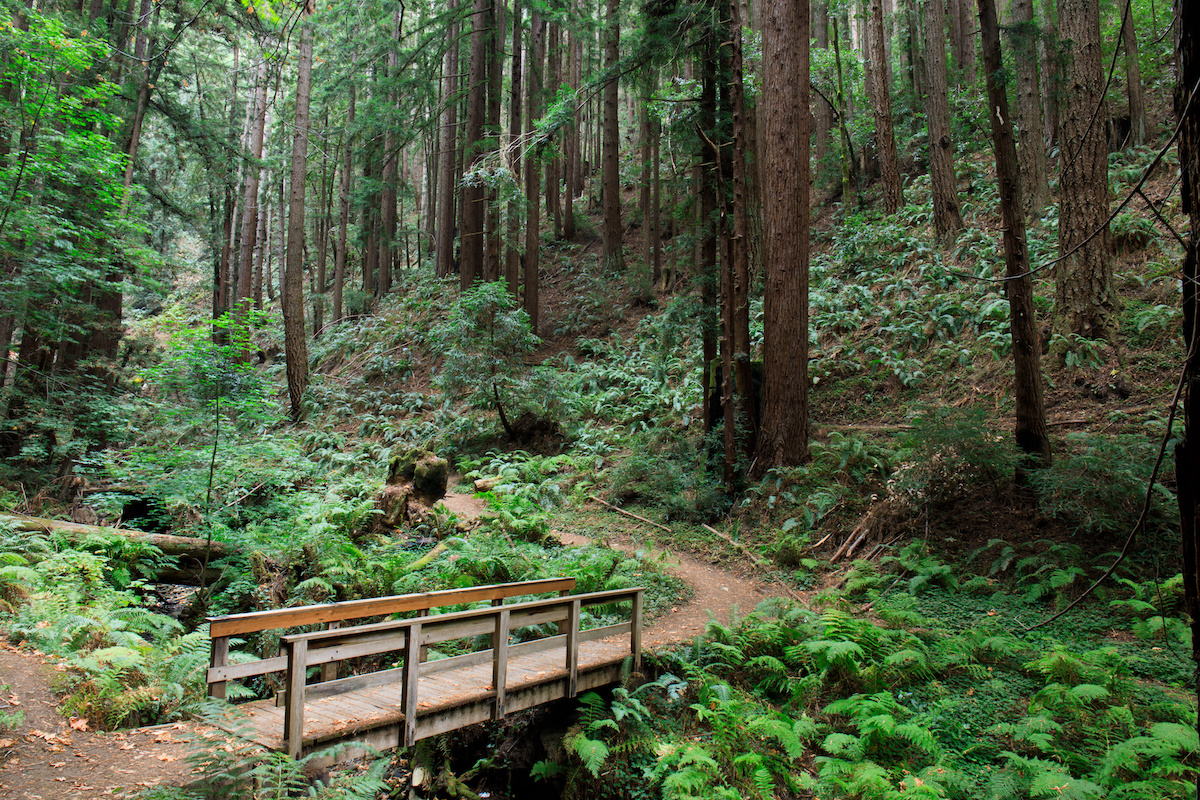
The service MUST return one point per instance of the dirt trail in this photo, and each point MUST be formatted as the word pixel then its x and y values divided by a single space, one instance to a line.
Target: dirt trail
pixel 48 756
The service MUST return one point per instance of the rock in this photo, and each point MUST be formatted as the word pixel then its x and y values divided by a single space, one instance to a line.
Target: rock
pixel 427 473
pixel 486 484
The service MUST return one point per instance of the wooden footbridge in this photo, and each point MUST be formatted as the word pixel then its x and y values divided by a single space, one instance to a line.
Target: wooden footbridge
pixel 412 697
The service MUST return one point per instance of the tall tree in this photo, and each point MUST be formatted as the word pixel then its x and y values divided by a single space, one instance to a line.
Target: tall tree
pixel 783 439
pixel 294 341
pixel 822 111
pixel 1035 173
pixel 339 258
pixel 614 257
pixel 1187 452
pixel 1133 78
pixel 1083 275
pixel 1032 435
pixel 946 216
pixel 881 105
pixel 471 266
pixel 257 111
pixel 512 258
pixel 448 157
pixel 533 217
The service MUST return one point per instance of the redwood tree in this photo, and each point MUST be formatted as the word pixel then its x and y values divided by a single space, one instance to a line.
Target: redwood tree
pixel 786 122
pixel 614 259
pixel 1083 276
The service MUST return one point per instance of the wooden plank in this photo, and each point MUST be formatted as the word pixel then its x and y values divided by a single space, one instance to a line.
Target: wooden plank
pixel 354 683
pixel 329 670
pixel 293 720
pixel 218 657
pixel 500 663
pixel 572 649
pixel 233 624
pixel 234 672
pixel 635 635
pixel 412 680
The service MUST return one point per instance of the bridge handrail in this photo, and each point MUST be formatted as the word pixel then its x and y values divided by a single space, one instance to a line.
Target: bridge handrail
pixel 409 635
pixel 221 628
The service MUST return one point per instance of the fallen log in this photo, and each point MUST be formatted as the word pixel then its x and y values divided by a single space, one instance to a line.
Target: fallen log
pixel 171 545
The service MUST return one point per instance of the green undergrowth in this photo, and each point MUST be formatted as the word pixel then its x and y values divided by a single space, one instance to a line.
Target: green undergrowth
pixel 938 693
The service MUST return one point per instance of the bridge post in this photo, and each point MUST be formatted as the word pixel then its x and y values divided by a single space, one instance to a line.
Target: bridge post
pixel 293 712
pixel 572 665
pixel 218 656
pixel 412 676
pixel 500 662
pixel 635 630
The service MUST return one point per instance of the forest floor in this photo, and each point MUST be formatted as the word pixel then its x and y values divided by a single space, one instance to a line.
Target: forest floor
pixel 50 756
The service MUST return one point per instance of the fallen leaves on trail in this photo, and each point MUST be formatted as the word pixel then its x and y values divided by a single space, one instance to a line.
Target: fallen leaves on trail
pixel 79 723
pixel 6 743
pixel 50 738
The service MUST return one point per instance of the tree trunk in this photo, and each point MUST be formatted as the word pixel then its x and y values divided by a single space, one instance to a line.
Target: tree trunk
pixel 1083 276
pixel 571 168
pixel 1051 71
pixel 294 340
pixel 496 28
pixel 258 124
pixel 1030 125
pixel 448 157
pixel 1133 79
pixel 968 31
pixel 553 163
pixel 822 112
pixel 1187 452
pixel 471 265
pixel 740 244
pixel 783 439
pixel 339 258
pixel 946 217
pixel 881 105
pixel 533 218
pixel 389 172
pixel 850 172
pixel 614 256
pixel 512 259
pixel 1032 435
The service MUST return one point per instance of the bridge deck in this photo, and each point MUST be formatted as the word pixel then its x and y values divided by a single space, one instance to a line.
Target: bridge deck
pixel 449 700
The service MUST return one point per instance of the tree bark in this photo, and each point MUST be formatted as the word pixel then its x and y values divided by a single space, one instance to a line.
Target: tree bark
pixel 1133 79
pixel 740 244
pixel 614 256
pixel 471 236
pixel 533 218
pixel 1083 276
pixel 448 157
pixel 946 216
pixel 258 124
pixel 294 339
pixel 571 174
pixel 339 259
pixel 1032 435
pixel 1030 126
pixel 1187 452
pixel 881 105
pixel 786 123
pixel 553 163
pixel 822 112
pixel 512 260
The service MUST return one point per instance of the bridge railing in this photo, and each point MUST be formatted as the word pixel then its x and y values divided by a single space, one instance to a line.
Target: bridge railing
pixel 408 636
pixel 332 615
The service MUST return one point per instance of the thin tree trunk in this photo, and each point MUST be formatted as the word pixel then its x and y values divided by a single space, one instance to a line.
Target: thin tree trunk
pixel 471 264
pixel 946 217
pixel 739 305
pixel 1083 277
pixel 614 257
pixel 822 112
pixel 571 175
pixel 1133 79
pixel 1031 128
pixel 448 157
pixel 881 105
pixel 258 124
pixel 512 259
pixel 496 29
pixel 553 163
pixel 295 342
pixel 1032 435
pixel 533 218
pixel 339 259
